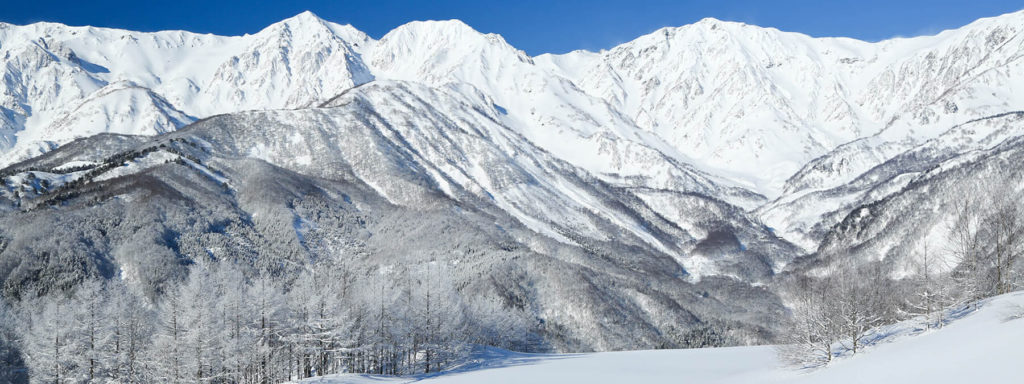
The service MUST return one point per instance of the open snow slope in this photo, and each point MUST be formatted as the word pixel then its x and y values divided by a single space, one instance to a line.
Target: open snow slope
pixel 982 346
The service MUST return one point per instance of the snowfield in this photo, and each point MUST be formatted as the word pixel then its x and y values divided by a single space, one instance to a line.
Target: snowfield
pixel 975 346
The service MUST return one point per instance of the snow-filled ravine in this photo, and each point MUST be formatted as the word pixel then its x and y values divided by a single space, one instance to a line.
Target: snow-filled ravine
pixel 974 346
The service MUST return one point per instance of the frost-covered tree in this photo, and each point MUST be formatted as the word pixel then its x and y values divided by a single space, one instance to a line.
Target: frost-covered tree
pixel 966 247
pixel 838 308
pixel 93 330
pixel 133 323
pixel 50 345
pixel 863 301
pixel 497 324
pixel 813 329
pixel 230 322
pixel 11 361
pixel 1004 226
pixel 442 315
pixel 270 319
pixel 319 324
pixel 986 240
pixel 168 356
pixel 200 334
pixel 928 291
pixel 236 353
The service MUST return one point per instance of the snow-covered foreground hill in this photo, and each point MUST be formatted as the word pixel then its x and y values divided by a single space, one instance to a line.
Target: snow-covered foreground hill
pixel 981 346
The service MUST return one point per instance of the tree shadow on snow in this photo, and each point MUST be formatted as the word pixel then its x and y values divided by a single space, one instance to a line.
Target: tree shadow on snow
pixel 484 358
pixel 913 327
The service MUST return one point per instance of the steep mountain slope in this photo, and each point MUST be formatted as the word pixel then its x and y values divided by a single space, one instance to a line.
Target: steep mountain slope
pixel 804 217
pixel 304 60
pixel 644 188
pixel 379 174
pixel 975 68
pixel 544 107
pixel 295 63
pixel 921 191
pixel 727 95
pixel 51 68
pixel 715 95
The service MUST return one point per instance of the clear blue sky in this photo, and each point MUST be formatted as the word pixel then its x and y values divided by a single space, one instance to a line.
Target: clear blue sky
pixel 534 26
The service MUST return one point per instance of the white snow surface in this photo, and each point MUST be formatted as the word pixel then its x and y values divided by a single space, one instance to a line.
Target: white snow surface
pixel 749 104
pixel 975 346
pixel 742 113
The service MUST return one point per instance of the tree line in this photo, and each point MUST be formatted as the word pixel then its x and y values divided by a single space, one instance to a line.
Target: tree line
pixel 836 308
pixel 224 325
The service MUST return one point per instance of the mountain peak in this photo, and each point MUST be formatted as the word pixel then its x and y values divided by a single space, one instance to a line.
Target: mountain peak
pixel 426 46
pixel 305 17
pixel 710 21
pixel 451 33
pixel 303 21
pixel 430 27
pixel 308 23
pixel 703 27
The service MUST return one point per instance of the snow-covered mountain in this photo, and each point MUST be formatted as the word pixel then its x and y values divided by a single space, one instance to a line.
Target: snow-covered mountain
pixel 806 215
pixel 49 69
pixel 673 176
pixel 687 108
pixel 389 174
pixel 729 95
